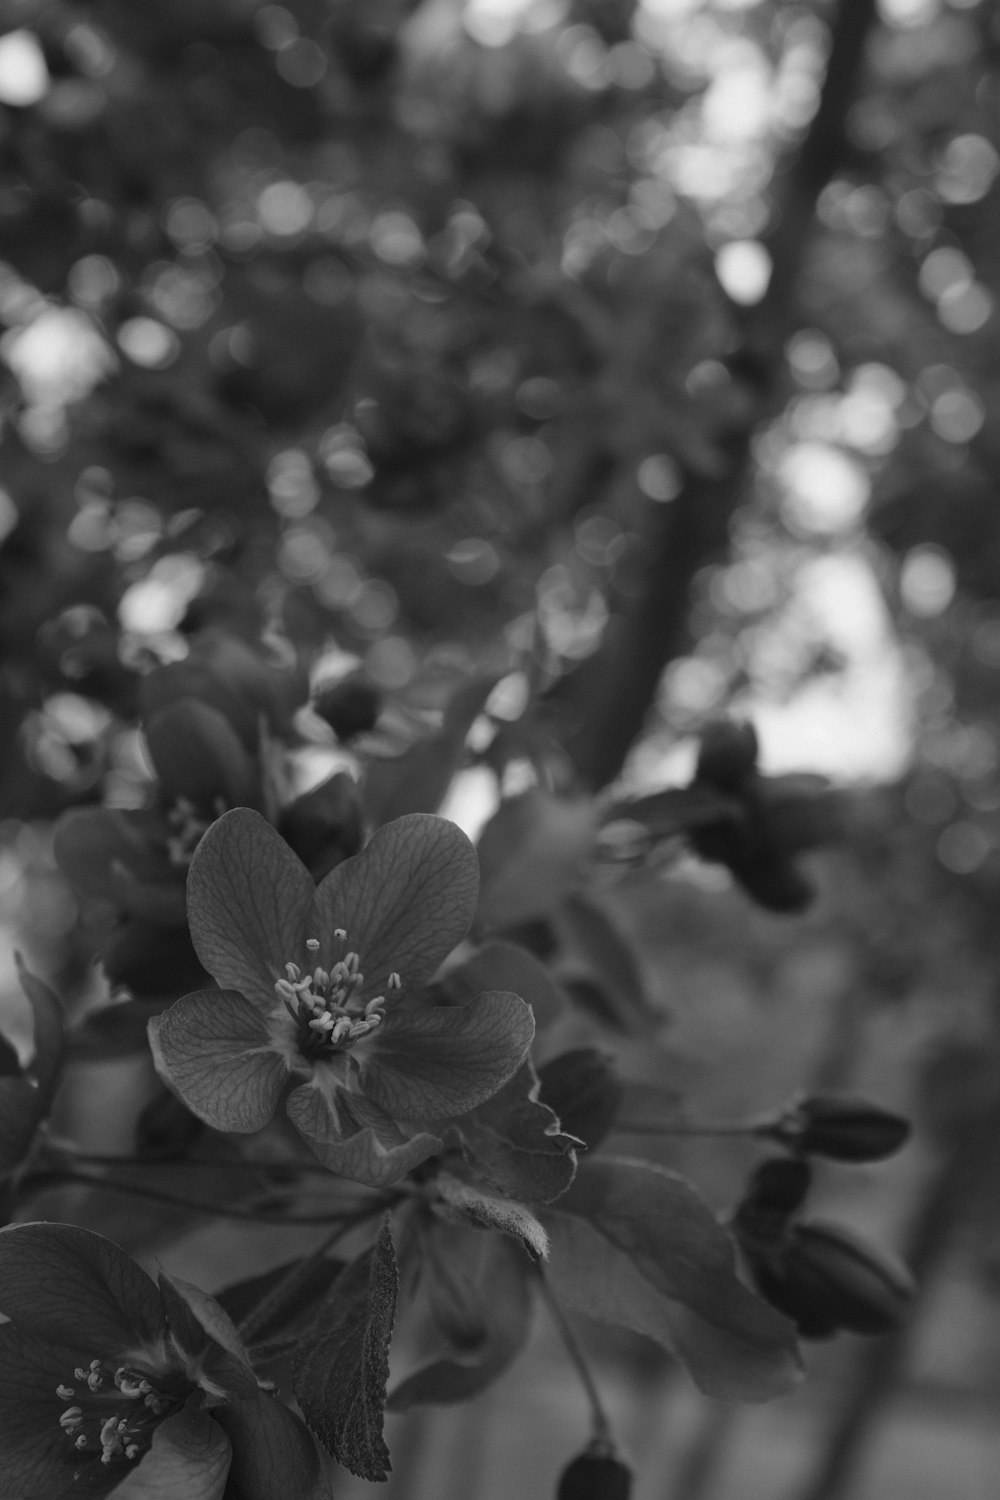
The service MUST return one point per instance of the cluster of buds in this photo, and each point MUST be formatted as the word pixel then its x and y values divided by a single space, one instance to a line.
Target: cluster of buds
pixel 772 819
pixel 823 1276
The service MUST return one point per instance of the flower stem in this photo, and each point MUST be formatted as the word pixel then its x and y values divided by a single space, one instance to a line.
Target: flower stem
pixel 757 1126
pixel 600 1420
pixel 39 1181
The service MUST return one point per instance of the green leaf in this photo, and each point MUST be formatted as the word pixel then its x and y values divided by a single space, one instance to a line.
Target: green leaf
pixel 434 1061
pixel 190 1456
pixel 514 1143
pixel 501 965
pixel 303 1285
pixel 501 1285
pixel 470 1204
pixel 339 1378
pixel 585 1091
pixel 532 854
pixel 216 1050
pixel 635 1244
pixel 595 948
pixel 26 1099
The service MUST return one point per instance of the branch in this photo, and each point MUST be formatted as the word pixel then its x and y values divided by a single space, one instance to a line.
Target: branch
pixel 610 693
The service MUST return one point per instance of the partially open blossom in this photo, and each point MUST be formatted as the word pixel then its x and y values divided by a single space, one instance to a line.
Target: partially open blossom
pixel 320 1011
pixel 110 1381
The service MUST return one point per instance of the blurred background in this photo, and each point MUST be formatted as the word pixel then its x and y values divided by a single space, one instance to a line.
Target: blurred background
pixel 645 357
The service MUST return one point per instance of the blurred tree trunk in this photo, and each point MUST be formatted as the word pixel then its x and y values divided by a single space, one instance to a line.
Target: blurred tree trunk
pixel 610 694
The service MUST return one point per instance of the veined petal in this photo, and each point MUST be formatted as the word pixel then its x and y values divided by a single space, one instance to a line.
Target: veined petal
pixel 36 1460
pixel 249 899
pixel 76 1288
pixel 215 1048
pixel 189 1456
pixel 405 900
pixel 354 1137
pixel 430 1062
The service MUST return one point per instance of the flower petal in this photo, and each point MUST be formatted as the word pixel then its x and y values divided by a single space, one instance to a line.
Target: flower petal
pixel 248 904
pixel 77 1288
pixel 429 1062
pixel 404 901
pixel 273 1453
pixel 353 1137
pixel 36 1458
pixel 215 1049
pixel 190 1456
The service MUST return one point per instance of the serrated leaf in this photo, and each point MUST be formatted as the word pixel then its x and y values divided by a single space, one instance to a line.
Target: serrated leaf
pixel 339 1377
pixel 304 1283
pixel 486 1211
pixel 651 1255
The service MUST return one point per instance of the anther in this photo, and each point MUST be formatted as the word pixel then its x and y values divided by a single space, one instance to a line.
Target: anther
pixel 71 1417
pixel 65 1392
pixel 312 944
pixel 81 1441
pixel 394 982
pixel 340 933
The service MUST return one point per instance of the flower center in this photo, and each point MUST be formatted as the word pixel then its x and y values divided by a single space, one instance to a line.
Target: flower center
pixel 327 1005
pixel 187 825
pixel 112 1414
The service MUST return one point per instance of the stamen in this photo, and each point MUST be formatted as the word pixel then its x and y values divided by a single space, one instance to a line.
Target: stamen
pixel 394 982
pixel 71 1418
pixel 65 1392
pixel 340 933
pixel 312 944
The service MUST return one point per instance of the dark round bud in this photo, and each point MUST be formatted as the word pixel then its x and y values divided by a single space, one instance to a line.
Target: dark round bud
pixel 166 1129
pixel 595 1475
pixel 350 706
pixel 841 1128
pixel 324 826
pixel 826 1278
pixel 727 757
pixel 778 1186
pixel 773 881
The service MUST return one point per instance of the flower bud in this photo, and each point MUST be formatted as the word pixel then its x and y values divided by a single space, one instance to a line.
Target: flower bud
pixel 595 1475
pixel 841 1128
pixel 350 706
pixel 777 1187
pixel 728 755
pixel 826 1278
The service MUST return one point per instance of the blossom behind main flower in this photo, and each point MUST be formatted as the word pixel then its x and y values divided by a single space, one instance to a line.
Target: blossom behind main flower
pixel 319 1007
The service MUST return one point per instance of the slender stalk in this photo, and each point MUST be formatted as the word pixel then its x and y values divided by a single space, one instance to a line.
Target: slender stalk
pixel 599 1418
pixel 39 1181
